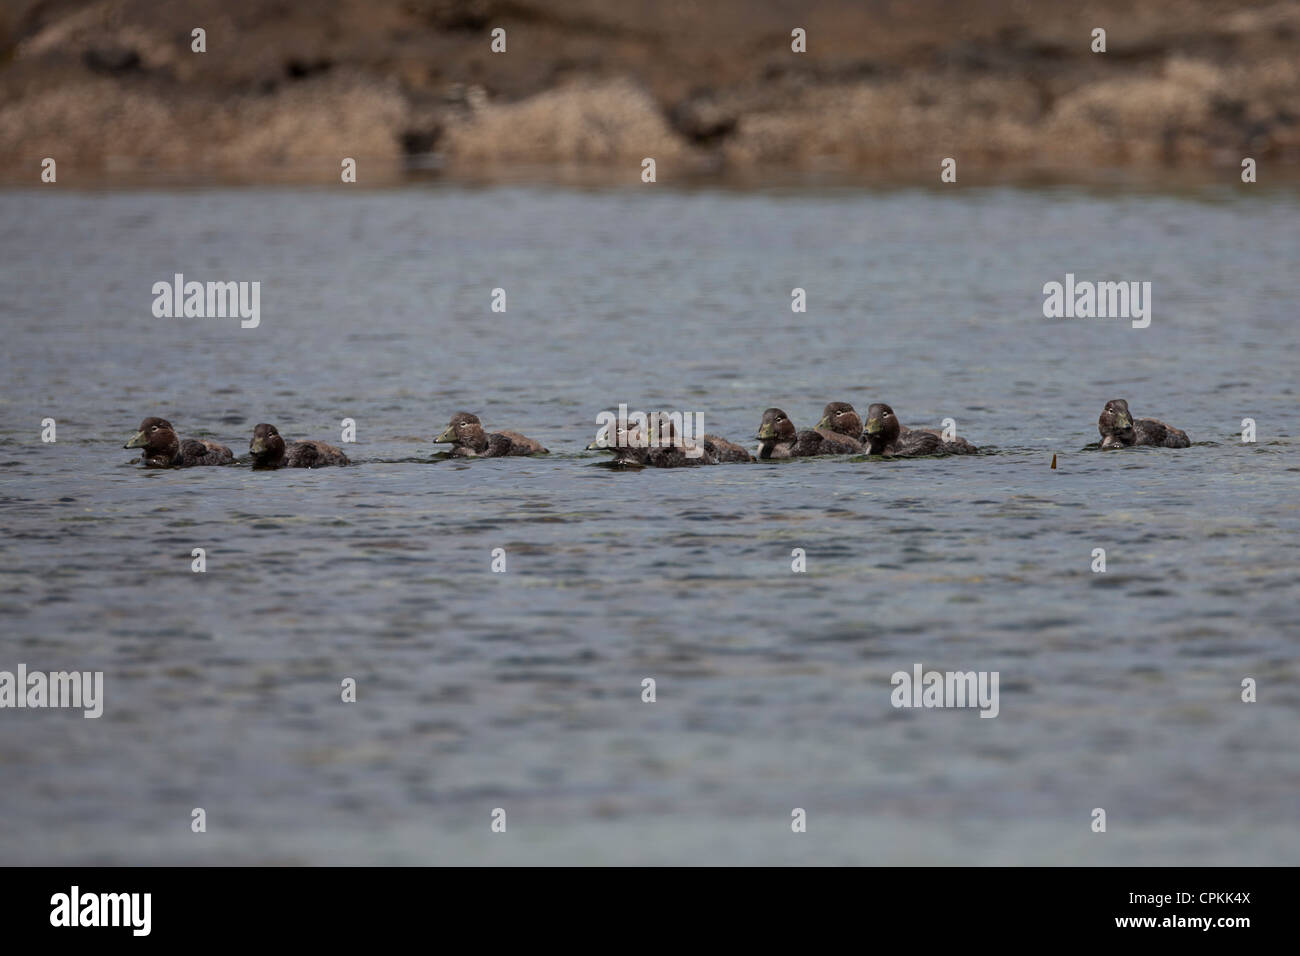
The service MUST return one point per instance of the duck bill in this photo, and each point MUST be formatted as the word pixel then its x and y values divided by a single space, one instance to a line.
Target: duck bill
pixel 826 424
pixel 766 431
pixel 447 436
pixel 597 446
pixel 257 446
pixel 137 441
pixel 1124 423
pixel 874 426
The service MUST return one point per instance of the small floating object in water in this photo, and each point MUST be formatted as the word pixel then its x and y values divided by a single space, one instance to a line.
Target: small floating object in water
pixel 1053 463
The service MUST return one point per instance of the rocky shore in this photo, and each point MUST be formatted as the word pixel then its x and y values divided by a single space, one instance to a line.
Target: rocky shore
pixel 285 90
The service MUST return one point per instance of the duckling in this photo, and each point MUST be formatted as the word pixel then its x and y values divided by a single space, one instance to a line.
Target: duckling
pixel 468 440
pixel 1119 429
pixel 723 451
pixel 669 450
pixel 633 448
pixel 957 445
pixel 626 453
pixel 841 418
pixel 665 448
pixel 162 449
pixel 885 436
pixel 780 439
pixel 947 446
pixel 716 449
pixel 268 451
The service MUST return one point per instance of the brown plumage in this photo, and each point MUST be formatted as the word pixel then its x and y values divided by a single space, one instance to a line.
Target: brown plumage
pixel 839 416
pixel 1119 429
pixel 780 439
pixel 633 448
pixel 724 451
pixel 468 440
pixel 886 437
pixel 840 419
pixel 163 449
pixel 906 442
pixel 626 453
pixel 268 450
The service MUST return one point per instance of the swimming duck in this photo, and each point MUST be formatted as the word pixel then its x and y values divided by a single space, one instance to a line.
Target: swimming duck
pixel 780 439
pixel 162 449
pixel 886 437
pixel 632 448
pixel 716 448
pixel 669 449
pixel 1119 429
pixel 947 446
pixel 468 440
pixel 626 453
pixel 840 417
pixel 723 451
pixel 268 451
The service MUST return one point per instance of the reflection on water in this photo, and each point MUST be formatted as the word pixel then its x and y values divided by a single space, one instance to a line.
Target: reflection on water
pixel 523 690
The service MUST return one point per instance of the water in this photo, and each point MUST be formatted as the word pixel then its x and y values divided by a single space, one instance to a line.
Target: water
pixel 523 690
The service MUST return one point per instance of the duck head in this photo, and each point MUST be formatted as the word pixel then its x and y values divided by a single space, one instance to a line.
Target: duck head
pixel 882 427
pixel 465 430
pixel 1116 424
pixel 266 447
pixel 839 417
pixel 625 442
pixel 158 439
pixel 776 426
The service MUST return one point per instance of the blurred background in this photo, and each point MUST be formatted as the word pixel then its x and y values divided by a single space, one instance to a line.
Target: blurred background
pixel 708 89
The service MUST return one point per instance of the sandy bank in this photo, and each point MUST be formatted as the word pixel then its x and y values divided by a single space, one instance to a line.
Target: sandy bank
pixel 285 91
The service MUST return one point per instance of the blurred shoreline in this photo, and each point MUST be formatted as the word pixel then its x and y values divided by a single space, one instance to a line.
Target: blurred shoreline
pixel 410 89
pixel 1186 183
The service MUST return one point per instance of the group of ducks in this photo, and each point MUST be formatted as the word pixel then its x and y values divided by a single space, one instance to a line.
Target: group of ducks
pixel 840 432
pixel 161 448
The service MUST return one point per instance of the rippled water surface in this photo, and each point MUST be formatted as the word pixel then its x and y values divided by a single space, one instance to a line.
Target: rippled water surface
pixel 522 690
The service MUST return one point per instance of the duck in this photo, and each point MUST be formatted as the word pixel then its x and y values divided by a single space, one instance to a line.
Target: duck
pixel 1119 429
pixel 724 451
pixel 669 450
pixel 841 418
pixel 632 448
pixel 947 446
pixel 625 453
pixel 468 440
pixel 780 439
pixel 717 449
pixel 163 449
pixel 268 451
pixel 885 436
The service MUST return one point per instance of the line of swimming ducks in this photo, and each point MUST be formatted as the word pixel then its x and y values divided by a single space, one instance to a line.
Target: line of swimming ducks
pixel 840 432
